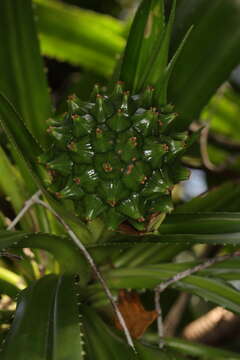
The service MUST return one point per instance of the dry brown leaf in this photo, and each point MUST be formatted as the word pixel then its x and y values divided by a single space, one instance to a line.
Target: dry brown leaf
pixel 136 317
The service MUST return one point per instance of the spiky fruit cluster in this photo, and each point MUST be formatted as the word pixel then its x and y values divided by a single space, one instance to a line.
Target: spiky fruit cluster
pixel 115 157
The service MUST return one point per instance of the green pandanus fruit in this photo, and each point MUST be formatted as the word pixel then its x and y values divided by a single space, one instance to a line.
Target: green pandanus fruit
pixel 115 157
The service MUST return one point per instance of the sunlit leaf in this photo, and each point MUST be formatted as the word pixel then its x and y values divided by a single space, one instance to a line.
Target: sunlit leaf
pixel 78 36
pixel 42 329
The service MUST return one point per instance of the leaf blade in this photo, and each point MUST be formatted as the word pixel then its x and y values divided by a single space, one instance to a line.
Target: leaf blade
pixel 65 252
pixel 205 63
pixel 204 351
pixel 210 289
pixel 145 33
pixel 39 304
pixel 23 79
pixel 78 36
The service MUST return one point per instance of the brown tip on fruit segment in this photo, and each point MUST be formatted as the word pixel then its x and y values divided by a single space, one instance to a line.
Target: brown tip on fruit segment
pixel 58 195
pixel 143 180
pixel 165 147
pixel 141 219
pixel 51 172
pixel 133 140
pixel 77 180
pixel 71 146
pixel 129 169
pixel 107 167
pixel 112 203
pixel 75 116
pixel 98 131
pixel 72 97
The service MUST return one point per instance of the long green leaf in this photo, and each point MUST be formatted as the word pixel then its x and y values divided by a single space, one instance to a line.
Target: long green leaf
pixel 79 36
pixel 212 289
pixel 145 34
pixel 161 95
pixel 67 339
pixel 199 350
pixel 154 274
pixel 209 228
pixel 22 76
pixel 208 56
pixel 175 238
pixel 29 150
pixel 65 252
pixel 18 134
pixel 221 198
pixel 42 328
pixel 202 223
pixel 159 65
pixel 10 183
pixel 145 254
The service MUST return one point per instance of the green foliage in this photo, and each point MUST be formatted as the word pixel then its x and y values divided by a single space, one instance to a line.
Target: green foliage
pixel 21 62
pixel 208 57
pixel 65 34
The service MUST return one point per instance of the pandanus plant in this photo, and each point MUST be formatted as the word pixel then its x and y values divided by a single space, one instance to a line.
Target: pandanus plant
pixel 105 171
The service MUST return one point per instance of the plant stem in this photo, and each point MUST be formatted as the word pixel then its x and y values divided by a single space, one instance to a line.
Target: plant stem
pixel 158 308
pixel 175 314
pixel 95 270
pixel 30 202
pixel 179 276
pixel 35 200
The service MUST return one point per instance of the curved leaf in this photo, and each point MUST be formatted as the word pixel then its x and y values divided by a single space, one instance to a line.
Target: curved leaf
pixel 212 289
pixel 17 131
pixel 23 79
pixel 208 57
pixel 42 329
pixel 66 253
pixel 29 150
